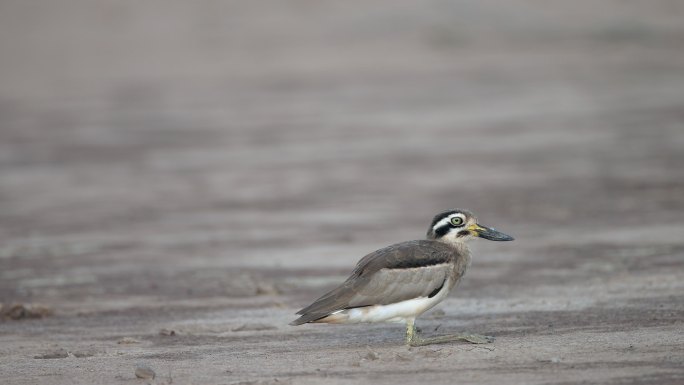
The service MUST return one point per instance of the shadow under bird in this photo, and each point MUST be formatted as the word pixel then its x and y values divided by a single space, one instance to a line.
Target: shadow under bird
pixel 400 282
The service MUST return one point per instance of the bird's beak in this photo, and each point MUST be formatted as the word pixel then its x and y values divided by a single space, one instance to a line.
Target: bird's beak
pixel 488 233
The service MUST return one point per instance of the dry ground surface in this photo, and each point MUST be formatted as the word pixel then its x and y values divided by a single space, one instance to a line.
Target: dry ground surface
pixel 178 178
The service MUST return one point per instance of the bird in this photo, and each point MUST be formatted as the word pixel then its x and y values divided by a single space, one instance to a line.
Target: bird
pixel 400 282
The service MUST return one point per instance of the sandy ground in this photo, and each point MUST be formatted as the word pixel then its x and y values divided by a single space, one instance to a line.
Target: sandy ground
pixel 178 178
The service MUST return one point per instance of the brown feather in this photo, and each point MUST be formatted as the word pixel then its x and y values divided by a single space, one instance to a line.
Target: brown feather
pixel 393 274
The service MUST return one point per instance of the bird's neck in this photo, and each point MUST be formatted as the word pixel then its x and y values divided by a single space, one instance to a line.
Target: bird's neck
pixel 461 256
pixel 458 245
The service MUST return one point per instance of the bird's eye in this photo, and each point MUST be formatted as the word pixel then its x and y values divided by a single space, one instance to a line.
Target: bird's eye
pixel 457 221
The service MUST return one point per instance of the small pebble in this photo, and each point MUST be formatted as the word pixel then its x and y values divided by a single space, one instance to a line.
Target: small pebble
pixel 22 311
pixel 127 341
pixel 60 353
pixel 83 353
pixel 144 371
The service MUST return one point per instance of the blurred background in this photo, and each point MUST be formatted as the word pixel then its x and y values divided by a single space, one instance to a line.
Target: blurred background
pixel 210 162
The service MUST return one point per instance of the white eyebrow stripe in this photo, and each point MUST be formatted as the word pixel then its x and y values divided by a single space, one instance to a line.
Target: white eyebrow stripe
pixel 447 220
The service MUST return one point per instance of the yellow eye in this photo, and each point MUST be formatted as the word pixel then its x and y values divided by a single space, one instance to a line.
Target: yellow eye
pixel 457 221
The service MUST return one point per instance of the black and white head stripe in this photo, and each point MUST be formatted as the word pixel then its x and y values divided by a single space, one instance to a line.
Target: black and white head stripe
pixel 444 222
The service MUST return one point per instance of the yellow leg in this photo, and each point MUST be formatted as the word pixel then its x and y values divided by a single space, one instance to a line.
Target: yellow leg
pixel 411 333
pixel 413 339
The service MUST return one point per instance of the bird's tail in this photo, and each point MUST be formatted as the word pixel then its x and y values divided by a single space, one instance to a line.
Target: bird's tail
pixel 307 317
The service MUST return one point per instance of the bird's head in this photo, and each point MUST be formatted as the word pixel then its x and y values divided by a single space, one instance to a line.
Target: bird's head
pixel 457 226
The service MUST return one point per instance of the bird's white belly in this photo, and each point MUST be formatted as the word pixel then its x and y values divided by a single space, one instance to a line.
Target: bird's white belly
pixel 396 312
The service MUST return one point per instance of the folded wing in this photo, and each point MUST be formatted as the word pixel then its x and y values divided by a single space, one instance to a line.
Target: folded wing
pixel 396 273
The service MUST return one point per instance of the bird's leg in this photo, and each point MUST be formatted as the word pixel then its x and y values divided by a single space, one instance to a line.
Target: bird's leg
pixel 413 339
pixel 411 333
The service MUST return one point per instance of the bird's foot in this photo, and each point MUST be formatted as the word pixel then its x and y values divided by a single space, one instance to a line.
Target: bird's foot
pixel 472 338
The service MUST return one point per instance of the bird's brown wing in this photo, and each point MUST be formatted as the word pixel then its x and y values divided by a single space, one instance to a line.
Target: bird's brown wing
pixel 396 273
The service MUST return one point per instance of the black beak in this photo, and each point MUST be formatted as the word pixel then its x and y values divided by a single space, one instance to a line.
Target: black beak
pixel 489 233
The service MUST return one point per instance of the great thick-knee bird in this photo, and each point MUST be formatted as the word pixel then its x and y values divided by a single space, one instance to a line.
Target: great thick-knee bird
pixel 402 281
